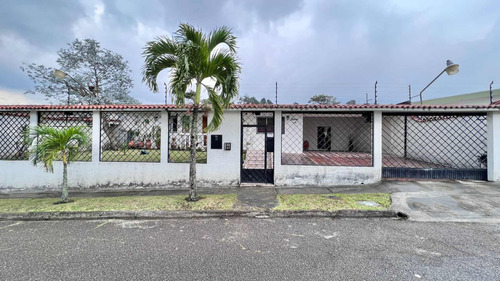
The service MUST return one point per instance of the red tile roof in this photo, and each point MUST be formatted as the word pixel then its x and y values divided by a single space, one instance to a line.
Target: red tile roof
pixel 495 105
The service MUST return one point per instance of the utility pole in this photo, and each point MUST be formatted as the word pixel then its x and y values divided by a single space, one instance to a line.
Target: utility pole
pixel 409 93
pixel 376 92
pixel 366 98
pixel 276 92
pixel 491 93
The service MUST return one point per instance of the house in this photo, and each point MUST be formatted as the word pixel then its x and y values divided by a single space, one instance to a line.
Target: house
pixel 282 145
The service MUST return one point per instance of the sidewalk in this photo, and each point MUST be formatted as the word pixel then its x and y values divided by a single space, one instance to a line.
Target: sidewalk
pixel 444 201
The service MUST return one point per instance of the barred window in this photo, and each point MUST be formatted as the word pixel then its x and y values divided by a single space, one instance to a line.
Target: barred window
pixel 179 140
pixel 327 139
pixel 130 136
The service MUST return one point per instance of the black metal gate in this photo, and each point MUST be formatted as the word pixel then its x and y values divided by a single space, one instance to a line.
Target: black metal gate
pixel 257 147
pixel 434 146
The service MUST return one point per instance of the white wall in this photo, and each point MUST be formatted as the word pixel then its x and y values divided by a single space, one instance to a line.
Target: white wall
pixel 494 146
pixel 293 138
pixel 222 168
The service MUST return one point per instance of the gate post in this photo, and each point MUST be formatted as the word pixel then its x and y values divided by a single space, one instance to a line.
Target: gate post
pixel 277 143
pixel 377 143
pixel 164 141
pixel 493 146
pixel 96 136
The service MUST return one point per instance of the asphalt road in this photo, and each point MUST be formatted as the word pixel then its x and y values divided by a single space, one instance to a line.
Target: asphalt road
pixel 249 249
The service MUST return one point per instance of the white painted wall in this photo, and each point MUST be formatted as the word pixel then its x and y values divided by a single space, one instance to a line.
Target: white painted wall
pixel 222 168
pixel 293 138
pixel 494 146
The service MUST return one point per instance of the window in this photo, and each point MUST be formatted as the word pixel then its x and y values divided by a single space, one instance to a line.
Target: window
pixel 265 124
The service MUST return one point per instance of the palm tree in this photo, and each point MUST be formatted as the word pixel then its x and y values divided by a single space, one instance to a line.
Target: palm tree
pixel 51 144
pixel 196 60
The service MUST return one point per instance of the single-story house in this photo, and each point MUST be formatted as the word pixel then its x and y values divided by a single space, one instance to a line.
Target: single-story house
pixel 281 145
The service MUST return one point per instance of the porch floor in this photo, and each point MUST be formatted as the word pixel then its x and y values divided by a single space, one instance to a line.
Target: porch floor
pixel 356 159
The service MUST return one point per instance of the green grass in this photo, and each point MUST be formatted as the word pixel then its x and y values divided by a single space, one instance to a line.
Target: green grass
pixel 134 155
pixel 321 202
pixel 130 155
pixel 135 203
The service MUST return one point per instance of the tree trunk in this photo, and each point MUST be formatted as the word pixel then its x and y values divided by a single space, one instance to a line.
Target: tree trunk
pixel 64 197
pixel 193 189
pixel 111 132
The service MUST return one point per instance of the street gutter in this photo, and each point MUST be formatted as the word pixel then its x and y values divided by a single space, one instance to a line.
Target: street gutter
pixel 146 215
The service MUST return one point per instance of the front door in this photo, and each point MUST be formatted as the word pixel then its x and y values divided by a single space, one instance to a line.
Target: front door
pixel 324 138
pixel 257 147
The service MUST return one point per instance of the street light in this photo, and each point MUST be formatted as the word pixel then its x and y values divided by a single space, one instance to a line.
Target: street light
pixel 451 69
pixel 59 74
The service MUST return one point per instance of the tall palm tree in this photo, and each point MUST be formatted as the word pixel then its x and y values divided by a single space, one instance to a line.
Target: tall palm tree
pixel 196 60
pixel 51 144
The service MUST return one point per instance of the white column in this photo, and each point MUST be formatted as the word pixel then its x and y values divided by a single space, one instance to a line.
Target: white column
pixel 277 142
pixel 164 137
pixel 33 119
pixel 377 142
pixel 493 146
pixel 96 136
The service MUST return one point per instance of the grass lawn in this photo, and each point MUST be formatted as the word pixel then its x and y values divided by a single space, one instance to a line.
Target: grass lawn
pixel 134 155
pixel 132 203
pixel 130 155
pixel 322 202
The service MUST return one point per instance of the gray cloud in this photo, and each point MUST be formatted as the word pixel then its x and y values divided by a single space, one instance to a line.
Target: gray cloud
pixel 312 47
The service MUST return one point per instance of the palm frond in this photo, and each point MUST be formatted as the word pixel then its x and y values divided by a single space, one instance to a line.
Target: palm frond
pixel 217 108
pixel 222 35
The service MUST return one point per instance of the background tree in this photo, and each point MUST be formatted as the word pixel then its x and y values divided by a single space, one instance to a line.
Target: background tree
pixel 96 76
pixel 196 60
pixel 253 100
pixel 351 102
pixel 51 144
pixel 323 99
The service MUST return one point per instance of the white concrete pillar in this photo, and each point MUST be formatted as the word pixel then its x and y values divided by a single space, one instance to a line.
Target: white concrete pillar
pixel 493 146
pixel 96 136
pixel 164 137
pixel 277 142
pixel 33 119
pixel 377 142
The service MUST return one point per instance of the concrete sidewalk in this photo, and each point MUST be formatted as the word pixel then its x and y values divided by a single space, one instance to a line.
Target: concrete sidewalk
pixel 447 201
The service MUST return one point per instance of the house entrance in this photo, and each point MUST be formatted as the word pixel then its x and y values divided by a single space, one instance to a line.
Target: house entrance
pixel 324 138
pixel 257 147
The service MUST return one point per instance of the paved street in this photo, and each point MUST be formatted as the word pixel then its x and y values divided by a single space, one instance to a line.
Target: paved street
pixel 249 249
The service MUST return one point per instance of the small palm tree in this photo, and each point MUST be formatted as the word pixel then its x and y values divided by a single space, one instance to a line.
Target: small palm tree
pixel 196 61
pixel 51 144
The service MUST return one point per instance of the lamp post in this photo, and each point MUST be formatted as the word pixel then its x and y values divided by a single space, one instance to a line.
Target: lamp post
pixel 451 69
pixel 83 90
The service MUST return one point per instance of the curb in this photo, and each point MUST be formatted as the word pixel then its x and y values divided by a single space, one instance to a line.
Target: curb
pixel 145 215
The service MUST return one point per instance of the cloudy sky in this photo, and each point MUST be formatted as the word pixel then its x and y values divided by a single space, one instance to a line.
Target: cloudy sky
pixel 310 47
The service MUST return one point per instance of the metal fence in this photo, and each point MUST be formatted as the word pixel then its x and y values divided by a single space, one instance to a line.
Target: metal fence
pixel 66 119
pixel 327 139
pixel 12 127
pixel 431 146
pixel 130 136
pixel 179 140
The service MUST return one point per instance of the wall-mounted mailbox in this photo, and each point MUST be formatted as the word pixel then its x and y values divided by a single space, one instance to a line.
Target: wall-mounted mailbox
pixel 216 141
pixel 227 146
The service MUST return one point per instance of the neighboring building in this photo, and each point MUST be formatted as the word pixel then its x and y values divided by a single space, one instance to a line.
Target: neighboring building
pixel 478 98
pixel 285 145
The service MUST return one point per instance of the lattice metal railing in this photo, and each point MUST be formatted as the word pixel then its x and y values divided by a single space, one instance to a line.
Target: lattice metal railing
pixel 12 128
pixel 130 136
pixel 327 139
pixel 66 119
pixel 434 141
pixel 179 140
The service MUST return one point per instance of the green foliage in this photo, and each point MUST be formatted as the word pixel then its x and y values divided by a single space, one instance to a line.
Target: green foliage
pixel 323 99
pixel 198 60
pixel 253 100
pixel 351 102
pixel 51 144
pixel 95 76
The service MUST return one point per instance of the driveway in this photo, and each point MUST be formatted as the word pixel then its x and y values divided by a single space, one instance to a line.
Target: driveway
pixel 446 201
